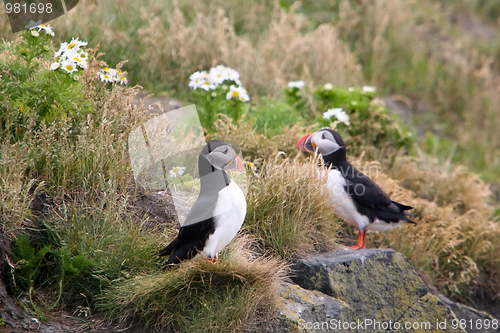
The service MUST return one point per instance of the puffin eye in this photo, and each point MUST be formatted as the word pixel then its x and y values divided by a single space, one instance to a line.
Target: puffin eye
pixel 323 137
pixel 225 151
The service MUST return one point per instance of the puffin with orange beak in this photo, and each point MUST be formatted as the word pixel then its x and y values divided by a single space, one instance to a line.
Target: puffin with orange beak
pixel 354 197
pixel 218 213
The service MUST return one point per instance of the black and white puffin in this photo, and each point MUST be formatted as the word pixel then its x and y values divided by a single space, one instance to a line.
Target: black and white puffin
pixel 218 213
pixel 354 197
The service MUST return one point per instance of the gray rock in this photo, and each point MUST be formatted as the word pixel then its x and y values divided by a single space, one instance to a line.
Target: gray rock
pixel 309 310
pixel 381 289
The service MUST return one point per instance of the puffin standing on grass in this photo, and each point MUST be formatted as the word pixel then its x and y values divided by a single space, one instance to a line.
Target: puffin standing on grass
pixel 354 197
pixel 218 214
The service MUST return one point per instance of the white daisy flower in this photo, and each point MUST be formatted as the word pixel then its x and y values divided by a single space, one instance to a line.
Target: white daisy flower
pixel 328 86
pixel 63 48
pixel 105 77
pixel 218 75
pixel 350 89
pixel 76 57
pixel 69 66
pixel 76 43
pixel 123 79
pixel 238 93
pixel 74 46
pixel 55 66
pixel 207 85
pixel 369 89
pixel 296 84
pixel 113 73
pixel 198 79
pixel 338 113
pixel 83 55
pixel 35 33
pixel 233 75
pixel 47 28
pixel 177 172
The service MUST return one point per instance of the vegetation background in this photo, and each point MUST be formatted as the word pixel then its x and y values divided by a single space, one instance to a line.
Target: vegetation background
pixel 435 62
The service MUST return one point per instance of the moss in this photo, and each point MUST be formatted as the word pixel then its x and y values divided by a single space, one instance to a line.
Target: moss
pixel 429 309
pixel 376 284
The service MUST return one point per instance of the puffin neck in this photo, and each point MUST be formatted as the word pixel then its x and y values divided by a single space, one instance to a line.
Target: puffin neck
pixel 211 179
pixel 337 159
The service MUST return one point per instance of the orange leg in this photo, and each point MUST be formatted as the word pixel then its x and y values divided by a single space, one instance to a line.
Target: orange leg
pixel 215 260
pixel 361 241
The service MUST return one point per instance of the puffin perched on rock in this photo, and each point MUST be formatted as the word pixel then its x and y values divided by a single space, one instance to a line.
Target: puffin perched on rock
pixel 354 197
pixel 218 213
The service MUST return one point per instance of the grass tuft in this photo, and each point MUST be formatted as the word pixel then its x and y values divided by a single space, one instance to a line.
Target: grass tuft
pixel 198 296
pixel 288 209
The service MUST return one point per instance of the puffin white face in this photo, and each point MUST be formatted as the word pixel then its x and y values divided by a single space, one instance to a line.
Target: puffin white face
pixel 325 142
pixel 225 158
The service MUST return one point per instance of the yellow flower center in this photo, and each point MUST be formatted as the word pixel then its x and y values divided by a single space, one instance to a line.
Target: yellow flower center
pixel 106 69
pixel 70 46
pixel 69 67
pixel 77 59
pixel 236 94
pixel 176 170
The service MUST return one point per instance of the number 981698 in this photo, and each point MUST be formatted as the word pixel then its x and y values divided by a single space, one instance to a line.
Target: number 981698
pixel 477 324
pixel 23 8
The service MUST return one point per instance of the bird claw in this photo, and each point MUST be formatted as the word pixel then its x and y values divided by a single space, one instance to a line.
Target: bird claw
pixel 355 247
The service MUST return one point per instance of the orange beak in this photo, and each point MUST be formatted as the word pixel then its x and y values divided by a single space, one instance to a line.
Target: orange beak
pixel 305 144
pixel 239 165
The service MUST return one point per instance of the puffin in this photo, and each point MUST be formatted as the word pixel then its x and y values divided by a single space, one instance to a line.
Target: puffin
pixel 354 196
pixel 218 213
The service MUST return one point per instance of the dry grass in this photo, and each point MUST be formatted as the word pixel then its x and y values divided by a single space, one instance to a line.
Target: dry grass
pixel 199 296
pixel 257 146
pixel 282 53
pixel 288 209
pixel 444 184
pixel 15 190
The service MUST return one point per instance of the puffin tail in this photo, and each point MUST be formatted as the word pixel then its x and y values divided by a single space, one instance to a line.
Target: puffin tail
pixel 169 248
pixel 403 209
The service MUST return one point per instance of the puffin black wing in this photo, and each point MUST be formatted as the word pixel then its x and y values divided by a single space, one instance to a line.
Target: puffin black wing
pixel 370 200
pixel 191 239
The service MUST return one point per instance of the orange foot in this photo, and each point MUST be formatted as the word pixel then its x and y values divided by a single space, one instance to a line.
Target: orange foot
pixel 361 241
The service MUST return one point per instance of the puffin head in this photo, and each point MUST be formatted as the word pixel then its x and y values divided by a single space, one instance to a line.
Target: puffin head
pixel 327 141
pixel 222 156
